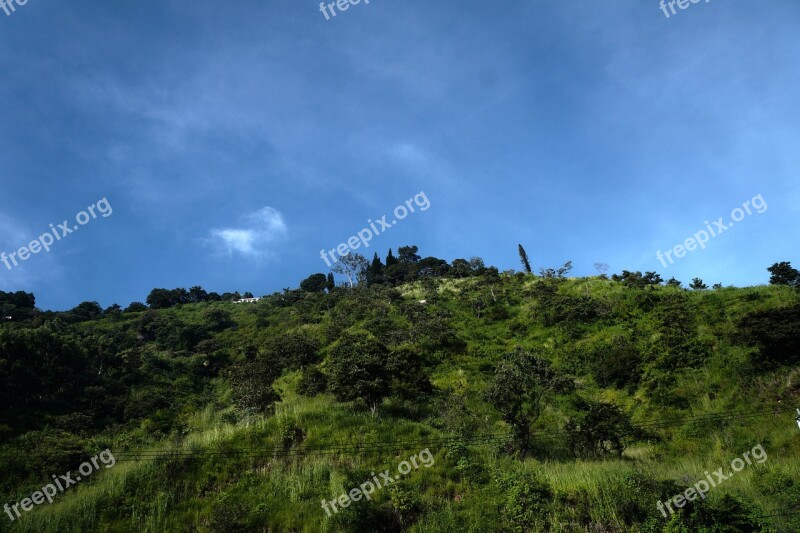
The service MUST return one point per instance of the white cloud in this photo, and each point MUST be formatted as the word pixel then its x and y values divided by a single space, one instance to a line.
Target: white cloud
pixel 262 228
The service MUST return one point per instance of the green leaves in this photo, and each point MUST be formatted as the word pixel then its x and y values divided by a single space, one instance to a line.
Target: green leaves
pixel 251 384
pixel 522 382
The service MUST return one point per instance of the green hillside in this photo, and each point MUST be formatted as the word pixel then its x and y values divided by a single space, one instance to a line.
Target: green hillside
pixel 546 403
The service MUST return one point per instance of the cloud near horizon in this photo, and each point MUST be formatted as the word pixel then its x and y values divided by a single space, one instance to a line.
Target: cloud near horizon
pixel 261 229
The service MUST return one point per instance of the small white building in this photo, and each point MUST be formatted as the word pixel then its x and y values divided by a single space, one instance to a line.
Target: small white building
pixel 246 301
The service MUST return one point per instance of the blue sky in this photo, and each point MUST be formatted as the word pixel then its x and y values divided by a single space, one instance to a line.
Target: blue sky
pixel 235 140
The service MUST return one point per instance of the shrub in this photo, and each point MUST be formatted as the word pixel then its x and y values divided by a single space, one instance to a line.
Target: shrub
pixel 293 350
pixel 528 500
pixel 616 363
pixel 521 384
pixel 598 429
pixel 312 381
pixel 218 319
pixel 728 515
pixel 358 370
pixel 251 384
pixel 406 504
pixel 776 332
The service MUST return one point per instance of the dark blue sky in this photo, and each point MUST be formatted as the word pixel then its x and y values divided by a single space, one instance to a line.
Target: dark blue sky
pixel 234 140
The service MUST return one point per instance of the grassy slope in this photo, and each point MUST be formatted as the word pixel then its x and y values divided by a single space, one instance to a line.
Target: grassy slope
pixel 284 494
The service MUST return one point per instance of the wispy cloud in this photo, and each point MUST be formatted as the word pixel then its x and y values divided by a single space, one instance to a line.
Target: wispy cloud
pixel 12 234
pixel 260 230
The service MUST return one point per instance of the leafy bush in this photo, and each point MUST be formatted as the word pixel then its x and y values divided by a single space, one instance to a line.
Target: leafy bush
pixel 776 332
pixel 616 363
pixel 405 503
pixel 358 369
pixel 598 429
pixel 637 280
pixel 527 502
pixel 522 382
pixel 293 350
pixel 312 381
pixel 251 384
pixel 728 515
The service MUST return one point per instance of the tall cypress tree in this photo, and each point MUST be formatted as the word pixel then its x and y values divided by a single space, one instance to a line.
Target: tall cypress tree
pixel 375 271
pixel 331 282
pixel 390 259
pixel 524 258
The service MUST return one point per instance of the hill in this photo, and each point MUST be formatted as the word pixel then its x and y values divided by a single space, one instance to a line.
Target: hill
pixel 482 402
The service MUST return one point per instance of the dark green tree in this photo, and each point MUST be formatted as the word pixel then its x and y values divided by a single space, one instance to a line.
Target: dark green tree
pixel 783 274
pixel 251 384
pixel 197 294
pixel 395 274
pixel 408 380
pixel 405 269
pixel 616 363
pixel 598 429
pixel 390 259
pixel 112 311
pixel 218 319
pixel 312 381
pixel 314 283
pixel 523 256
pixel 160 299
pixel 179 296
pixel 637 280
pixel 375 271
pixel 86 311
pixel 522 383
pixel 776 332
pixel 461 268
pixel 293 349
pixel 672 282
pixel 135 307
pixel 477 266
pixel 358 369
pixel 331 284
pixel 408 254
pixel 432 267
pixel 698 285
pixel 21 299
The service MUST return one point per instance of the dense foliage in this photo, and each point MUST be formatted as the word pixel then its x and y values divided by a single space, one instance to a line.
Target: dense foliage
pixel 540 397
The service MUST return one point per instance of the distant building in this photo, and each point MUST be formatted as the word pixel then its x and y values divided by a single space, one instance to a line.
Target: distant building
pixel 246 301
pixel 8 318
